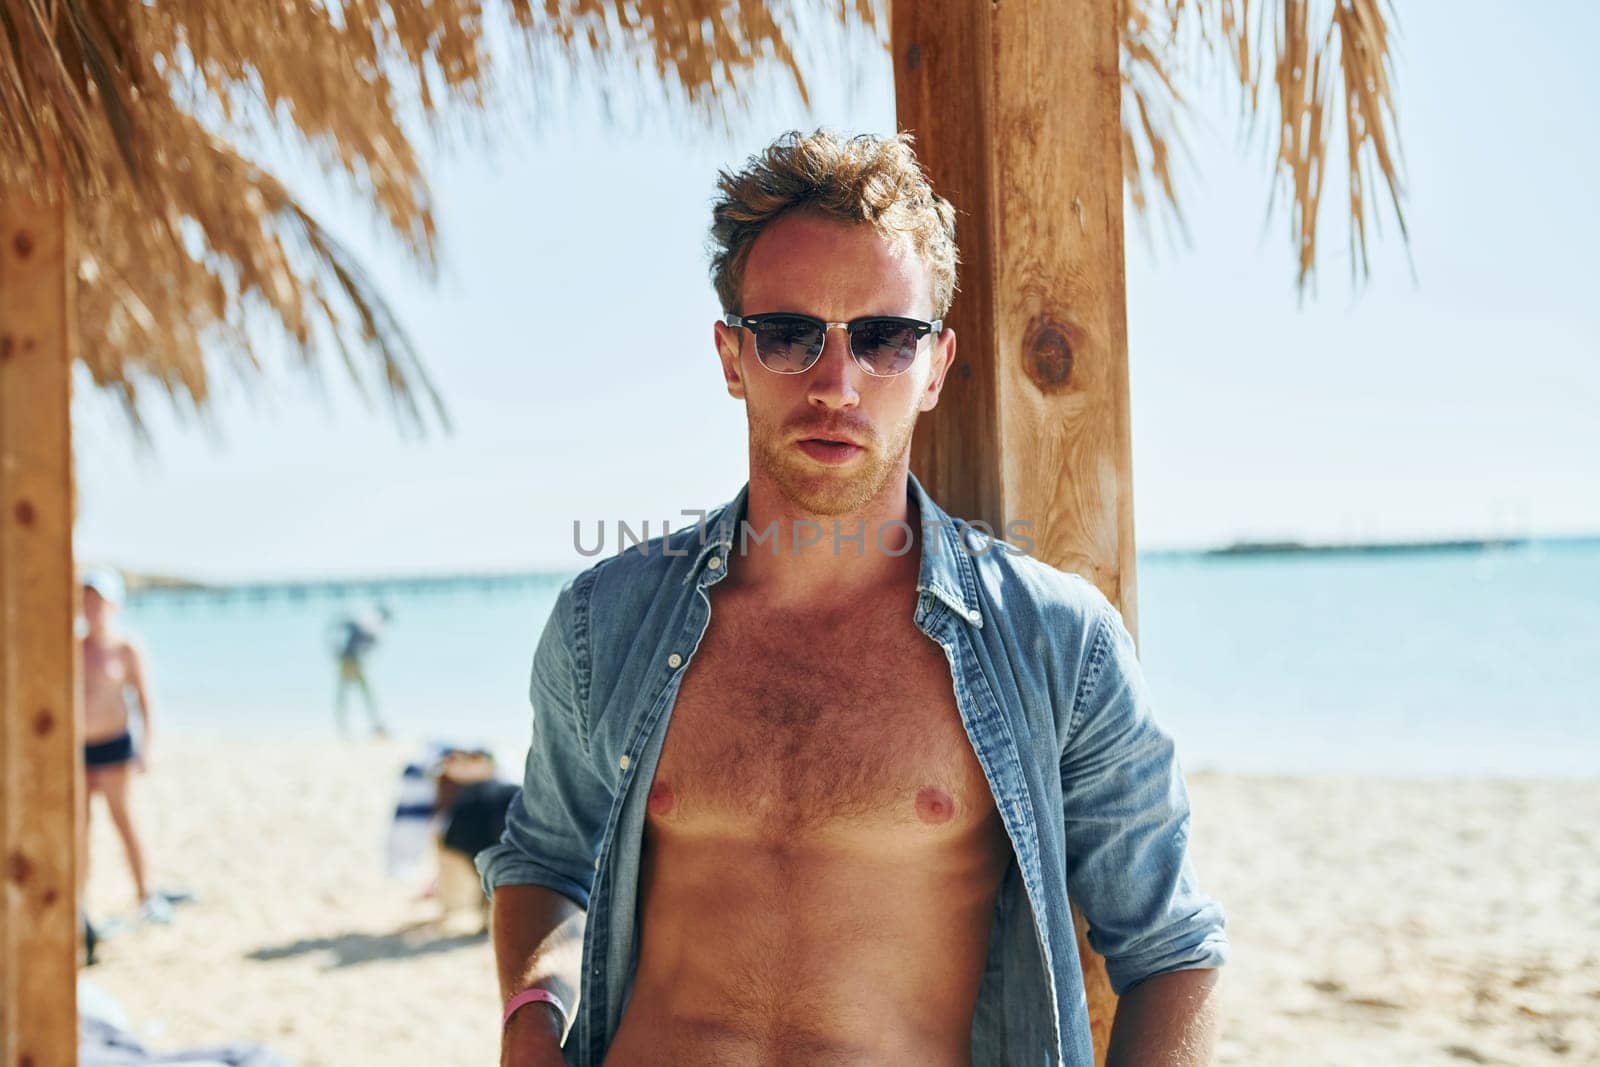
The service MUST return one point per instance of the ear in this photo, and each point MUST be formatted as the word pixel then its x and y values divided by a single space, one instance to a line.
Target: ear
pixel 944 355
pixel 729 340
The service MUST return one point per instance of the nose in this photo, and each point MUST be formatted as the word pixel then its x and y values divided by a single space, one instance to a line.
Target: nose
pixel 833 382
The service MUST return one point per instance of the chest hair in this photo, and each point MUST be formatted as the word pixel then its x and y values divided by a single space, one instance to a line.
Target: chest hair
pixel 788 723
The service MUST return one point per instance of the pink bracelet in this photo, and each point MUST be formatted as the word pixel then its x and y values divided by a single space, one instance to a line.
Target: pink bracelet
pixel 535 996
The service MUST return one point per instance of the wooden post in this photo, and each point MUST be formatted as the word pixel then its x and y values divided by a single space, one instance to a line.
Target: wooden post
pixel 39 756
pixel 1016 110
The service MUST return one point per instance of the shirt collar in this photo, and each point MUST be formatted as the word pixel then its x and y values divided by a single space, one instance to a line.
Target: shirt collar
pixel 945 571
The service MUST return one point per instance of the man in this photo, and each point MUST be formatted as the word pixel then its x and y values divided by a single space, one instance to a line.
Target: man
pixel 113 665
pixel 354 637
pixel 818 781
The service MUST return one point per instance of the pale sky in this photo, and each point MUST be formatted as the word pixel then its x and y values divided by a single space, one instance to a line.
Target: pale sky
pixel 571 337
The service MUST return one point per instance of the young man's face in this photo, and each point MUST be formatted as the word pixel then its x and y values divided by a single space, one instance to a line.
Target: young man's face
pixel 97 611
pixel 802 425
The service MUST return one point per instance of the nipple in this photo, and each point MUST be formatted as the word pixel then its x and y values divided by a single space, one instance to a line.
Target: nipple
pixel 935 805
pixel 661 799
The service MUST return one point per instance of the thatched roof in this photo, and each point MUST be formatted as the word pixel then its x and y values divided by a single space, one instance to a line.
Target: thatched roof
pixel 1299 67
pixel 188 249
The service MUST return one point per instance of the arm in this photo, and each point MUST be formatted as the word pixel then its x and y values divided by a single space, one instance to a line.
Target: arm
pixel 542 869
pixel 134 662
pixel 538 941
pixel 1170 1019
pixel 1128 869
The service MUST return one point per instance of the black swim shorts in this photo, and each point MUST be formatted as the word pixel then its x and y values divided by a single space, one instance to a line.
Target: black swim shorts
pixel 112 753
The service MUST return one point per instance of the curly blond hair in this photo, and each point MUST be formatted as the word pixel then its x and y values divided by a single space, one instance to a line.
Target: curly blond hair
pixel 865 178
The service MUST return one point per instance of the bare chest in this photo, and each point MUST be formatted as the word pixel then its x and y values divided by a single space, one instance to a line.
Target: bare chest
pixel 781 731
pixel 105 669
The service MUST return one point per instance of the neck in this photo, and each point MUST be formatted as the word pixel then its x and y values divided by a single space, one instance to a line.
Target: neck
pixel 812 563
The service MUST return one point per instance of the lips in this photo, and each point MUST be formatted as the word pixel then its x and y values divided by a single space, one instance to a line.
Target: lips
pixel 829 451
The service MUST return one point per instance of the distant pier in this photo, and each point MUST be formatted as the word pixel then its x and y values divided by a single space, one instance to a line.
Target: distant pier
pixel 333 590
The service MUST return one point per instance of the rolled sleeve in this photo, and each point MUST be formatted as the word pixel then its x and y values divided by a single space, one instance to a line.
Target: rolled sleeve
pixel 1127 824
pixel 554 823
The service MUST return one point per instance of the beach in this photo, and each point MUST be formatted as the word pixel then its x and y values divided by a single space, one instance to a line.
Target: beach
pixel 1393 922
pixel 1373 921
pixel 298 939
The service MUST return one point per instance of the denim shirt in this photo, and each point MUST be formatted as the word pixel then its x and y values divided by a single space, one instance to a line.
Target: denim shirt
pixel 1054 703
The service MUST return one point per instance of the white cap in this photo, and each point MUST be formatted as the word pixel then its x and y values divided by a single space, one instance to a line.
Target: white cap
pixel 107 582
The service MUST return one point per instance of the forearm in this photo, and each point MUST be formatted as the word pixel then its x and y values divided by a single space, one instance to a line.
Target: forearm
pixel 538 941
pixel 1169 1020
pixel 146 744
pixel 141 689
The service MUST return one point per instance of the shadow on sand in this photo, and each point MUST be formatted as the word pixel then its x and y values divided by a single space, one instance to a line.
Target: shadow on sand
pixel 348 950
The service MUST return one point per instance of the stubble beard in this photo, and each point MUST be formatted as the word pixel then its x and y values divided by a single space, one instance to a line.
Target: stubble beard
pixel 813 489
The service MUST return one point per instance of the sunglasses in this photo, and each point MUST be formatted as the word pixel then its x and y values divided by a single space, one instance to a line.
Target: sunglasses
pixel 791 343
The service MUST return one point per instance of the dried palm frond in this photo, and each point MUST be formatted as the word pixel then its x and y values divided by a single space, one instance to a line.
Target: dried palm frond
pixel 1327 57
pixel 1151 105
pixel 189 248
pixel 190 251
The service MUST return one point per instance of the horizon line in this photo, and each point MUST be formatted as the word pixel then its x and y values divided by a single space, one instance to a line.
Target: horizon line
pixel 141 579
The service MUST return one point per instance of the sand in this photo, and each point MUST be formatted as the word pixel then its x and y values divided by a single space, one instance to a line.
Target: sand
pixel 1384 922
pixel 298 939
pixel 1373 922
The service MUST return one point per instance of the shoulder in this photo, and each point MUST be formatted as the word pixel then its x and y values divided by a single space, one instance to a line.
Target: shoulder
pixel 627 587
pixel 1055 627
pixel 131 652
pixel 1026 587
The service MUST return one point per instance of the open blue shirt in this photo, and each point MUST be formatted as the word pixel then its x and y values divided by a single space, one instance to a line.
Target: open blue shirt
pixel 1051 695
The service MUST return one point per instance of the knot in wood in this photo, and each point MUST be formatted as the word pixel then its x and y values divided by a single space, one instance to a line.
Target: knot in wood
pixel 23 244
pixel 1047 352
pixel 24 513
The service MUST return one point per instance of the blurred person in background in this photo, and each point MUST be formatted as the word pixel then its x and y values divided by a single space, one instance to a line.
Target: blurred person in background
pixel 112 667
pixel 354 638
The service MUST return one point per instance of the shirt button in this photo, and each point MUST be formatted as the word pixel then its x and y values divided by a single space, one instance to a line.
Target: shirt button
pixel 623 762
pixel 714 562
pixel 674 661
pixel 975 615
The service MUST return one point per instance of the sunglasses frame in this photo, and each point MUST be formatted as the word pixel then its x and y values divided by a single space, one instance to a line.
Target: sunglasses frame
pixel 922 326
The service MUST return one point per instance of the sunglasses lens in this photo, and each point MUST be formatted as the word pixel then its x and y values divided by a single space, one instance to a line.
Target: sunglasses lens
pixel 885 346
pixel 788 344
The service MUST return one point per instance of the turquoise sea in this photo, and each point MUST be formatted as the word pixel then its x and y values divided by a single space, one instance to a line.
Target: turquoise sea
pixel 1442 663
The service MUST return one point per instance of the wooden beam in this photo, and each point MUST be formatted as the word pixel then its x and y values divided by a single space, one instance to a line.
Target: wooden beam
pixel 1015 107
pixel 40 761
